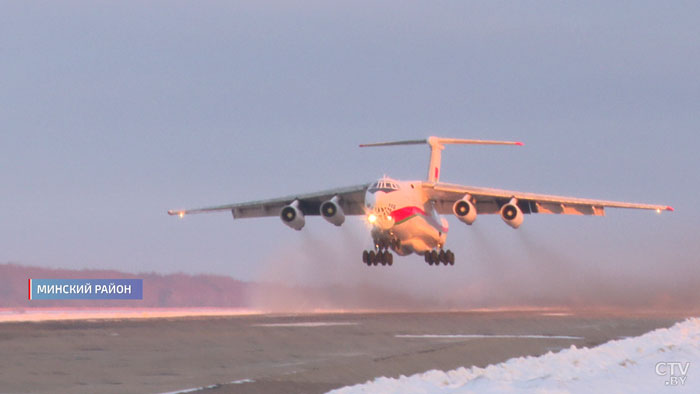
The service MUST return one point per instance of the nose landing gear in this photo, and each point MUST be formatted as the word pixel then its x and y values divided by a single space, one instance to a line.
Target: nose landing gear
pixel 381 253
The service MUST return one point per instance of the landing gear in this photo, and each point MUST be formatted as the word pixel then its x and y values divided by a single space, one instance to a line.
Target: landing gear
pixel 435 257
pixel 375 258
pixel 381 254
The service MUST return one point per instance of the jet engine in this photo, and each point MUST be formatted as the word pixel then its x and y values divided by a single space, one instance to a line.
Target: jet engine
pixel 292 216
pixel 512 214
pixel 332 212
pixel 465 210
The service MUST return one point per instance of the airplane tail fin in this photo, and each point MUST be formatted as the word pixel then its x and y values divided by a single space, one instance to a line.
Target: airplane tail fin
pixel 437 144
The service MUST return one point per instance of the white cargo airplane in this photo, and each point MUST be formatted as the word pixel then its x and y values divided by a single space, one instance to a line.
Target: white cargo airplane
pixel 405 215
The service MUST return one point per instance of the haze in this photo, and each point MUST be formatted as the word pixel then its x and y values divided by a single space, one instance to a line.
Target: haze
pixel 114 112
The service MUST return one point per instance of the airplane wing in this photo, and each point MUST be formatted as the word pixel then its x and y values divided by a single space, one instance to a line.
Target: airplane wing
pixel 351 200
pixel 489 201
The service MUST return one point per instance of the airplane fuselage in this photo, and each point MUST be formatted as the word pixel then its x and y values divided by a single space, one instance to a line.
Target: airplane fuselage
pixel 403 218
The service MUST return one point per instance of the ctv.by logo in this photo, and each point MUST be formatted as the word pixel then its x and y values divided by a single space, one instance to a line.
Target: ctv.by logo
pixel 676 372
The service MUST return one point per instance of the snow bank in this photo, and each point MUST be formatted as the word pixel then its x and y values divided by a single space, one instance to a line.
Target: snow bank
pixel 622 366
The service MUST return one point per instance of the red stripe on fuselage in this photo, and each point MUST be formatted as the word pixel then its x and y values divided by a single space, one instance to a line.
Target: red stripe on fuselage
pixel 406 213
pixel 403 213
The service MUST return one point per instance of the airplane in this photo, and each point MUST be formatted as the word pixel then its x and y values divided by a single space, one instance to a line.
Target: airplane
pixel 405 216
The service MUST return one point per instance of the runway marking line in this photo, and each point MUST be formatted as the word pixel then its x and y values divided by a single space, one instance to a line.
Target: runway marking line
pixel 563 314
pixel 308 324
pixel 210 387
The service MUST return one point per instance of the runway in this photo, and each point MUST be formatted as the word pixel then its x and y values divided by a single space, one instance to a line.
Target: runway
pixel 301 353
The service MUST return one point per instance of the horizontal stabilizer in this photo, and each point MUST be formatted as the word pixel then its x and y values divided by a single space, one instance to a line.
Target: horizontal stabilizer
pixel 437 144
pixel 406 142
pixel 442 141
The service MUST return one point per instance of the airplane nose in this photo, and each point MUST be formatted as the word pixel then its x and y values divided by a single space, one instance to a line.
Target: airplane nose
pixel 384 222
pixel 387 223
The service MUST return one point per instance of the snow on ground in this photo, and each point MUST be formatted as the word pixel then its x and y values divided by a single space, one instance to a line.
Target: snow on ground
pixel 483 336
pixel 620 366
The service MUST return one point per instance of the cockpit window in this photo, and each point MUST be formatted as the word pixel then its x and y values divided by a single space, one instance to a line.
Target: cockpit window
pixel 383 186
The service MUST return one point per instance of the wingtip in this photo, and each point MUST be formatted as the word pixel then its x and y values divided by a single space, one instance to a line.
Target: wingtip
pixel 173 212
pixel 519 143
pixel 670 208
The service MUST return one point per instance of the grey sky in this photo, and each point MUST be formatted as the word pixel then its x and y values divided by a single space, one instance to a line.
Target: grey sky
pixel 113 112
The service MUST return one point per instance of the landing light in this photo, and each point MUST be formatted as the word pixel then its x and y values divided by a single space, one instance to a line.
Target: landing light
pixel 658 211
pixel 388 217
pixel 372 218
pixel 181 215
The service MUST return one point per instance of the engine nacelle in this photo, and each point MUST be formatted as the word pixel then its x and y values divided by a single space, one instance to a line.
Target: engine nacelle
pixel 465 210
pixel 292 216
pixel 511 213
pixel 332 212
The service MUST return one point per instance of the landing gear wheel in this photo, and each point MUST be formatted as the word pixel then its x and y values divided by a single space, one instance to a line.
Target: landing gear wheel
pixel 371 258
pixel 435 257
pixel 365 256
pixel 389 258
pixel 382 257
pixel 450 257
pixel 441 257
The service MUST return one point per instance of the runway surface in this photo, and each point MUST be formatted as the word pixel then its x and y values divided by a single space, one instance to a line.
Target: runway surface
pixel 301 353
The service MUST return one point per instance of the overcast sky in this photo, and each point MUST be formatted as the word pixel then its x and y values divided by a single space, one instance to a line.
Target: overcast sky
pixel 111 113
